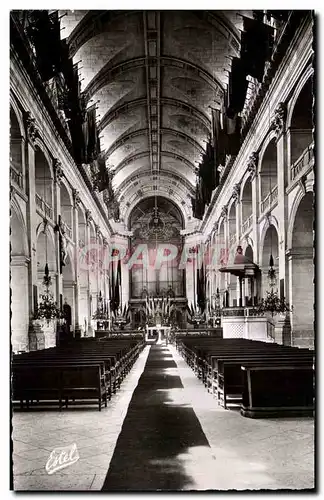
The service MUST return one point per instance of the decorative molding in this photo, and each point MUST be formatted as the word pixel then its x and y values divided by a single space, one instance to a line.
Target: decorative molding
pixel 97 230
pixel 253 164
pixel 105 241
pixel 58 170
pixel 302 184
pixel 224 211
pixel 31 128
pixel 236 192
pixel 279 120
pixel 88 217
pixel 76 197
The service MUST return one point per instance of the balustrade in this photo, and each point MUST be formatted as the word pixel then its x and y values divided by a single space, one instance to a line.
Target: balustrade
pixel 44 207
pixel 247 224
pixel 16 177
pixel 269 199
pixel 303 161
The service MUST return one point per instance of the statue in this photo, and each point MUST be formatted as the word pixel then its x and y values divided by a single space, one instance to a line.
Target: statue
pixel 62 241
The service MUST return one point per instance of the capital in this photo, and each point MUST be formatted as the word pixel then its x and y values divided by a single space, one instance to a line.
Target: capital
pixel 88 216
pixel 76 197
pixel 31 128
pixel 97 229
pixel 58 170
pixel 224 211
pixel 279 119
pixel 236 191
pixel 253 164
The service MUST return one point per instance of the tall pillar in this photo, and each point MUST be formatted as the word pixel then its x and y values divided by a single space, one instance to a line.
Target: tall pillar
pixel 58 174
pixel 278 124
pixel 253 168
pixel 236 196
pixel 19 306
pixel 30 144
pixel 226 242
pixel 75 236
pixel 88 247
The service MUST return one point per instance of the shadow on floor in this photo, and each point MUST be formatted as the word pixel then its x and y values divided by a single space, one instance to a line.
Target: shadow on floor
pixel 155 433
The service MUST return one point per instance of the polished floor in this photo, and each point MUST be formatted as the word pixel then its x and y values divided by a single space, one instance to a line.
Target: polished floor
pixel 163 431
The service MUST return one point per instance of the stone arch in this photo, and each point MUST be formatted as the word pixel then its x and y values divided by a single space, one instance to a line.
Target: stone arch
pixel 67 207
pixel 21 236
pixel 269 248
pixel 129 210
pixel 292 102
pixel 301 121
pixel 19 281
pixel 16 145
pixel 301 273
pixel 268 175
pixel 232 222
pixel 297 200
pixel 246 200
pixel 269 138
pixel 44 181
pixel 16 108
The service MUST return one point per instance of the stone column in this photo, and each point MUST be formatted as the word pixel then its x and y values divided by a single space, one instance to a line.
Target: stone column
pixel 224 213
pixel 75 236
pixel 19 303
pixel 253 168
pixel 98 233
pixel 32 133
pixel 278 124
pixel 236 196
pixel 58 174
pixel 90 331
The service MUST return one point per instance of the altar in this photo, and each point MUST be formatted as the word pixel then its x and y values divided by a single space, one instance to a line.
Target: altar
pixel 158 333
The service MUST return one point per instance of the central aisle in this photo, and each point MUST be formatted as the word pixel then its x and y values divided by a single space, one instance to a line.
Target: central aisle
pixel 159 431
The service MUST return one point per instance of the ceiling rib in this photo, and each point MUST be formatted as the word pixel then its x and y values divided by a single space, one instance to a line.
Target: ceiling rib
pixel 137 156
pixel 116 110
pixel 152 66
pixel 108 73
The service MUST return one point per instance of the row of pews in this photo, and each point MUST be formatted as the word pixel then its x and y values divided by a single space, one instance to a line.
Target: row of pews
pixel 265 379
pixel 86 371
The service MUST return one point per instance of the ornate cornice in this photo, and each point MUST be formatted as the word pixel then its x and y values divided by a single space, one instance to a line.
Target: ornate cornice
pixel 279 119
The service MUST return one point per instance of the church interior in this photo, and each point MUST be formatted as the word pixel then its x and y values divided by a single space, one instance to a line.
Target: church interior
pixel 162 250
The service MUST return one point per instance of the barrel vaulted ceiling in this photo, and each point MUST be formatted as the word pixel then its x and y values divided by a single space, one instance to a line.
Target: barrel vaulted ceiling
pixel 154 76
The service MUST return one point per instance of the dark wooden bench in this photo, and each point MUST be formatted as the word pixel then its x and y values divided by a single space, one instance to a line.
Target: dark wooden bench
pixel 55 383
pixel 277 390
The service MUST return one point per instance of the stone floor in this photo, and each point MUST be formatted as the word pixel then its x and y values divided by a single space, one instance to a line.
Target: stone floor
pixel 242 453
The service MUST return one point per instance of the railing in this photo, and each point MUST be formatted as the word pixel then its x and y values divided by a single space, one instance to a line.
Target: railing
pixel 303 161
pixel 67 229
pixel 268 200
pixel 232 311
pixel 16 177
pixel 247 224
pixel 44 207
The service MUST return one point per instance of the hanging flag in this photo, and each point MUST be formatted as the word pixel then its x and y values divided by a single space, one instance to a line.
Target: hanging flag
pixel 256 46
pixel 218 138
pixel 237 86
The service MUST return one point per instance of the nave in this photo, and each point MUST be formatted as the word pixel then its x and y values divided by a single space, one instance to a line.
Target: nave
pixel 163 430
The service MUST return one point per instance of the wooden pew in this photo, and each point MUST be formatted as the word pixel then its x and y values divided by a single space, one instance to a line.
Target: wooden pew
pixel 277 390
